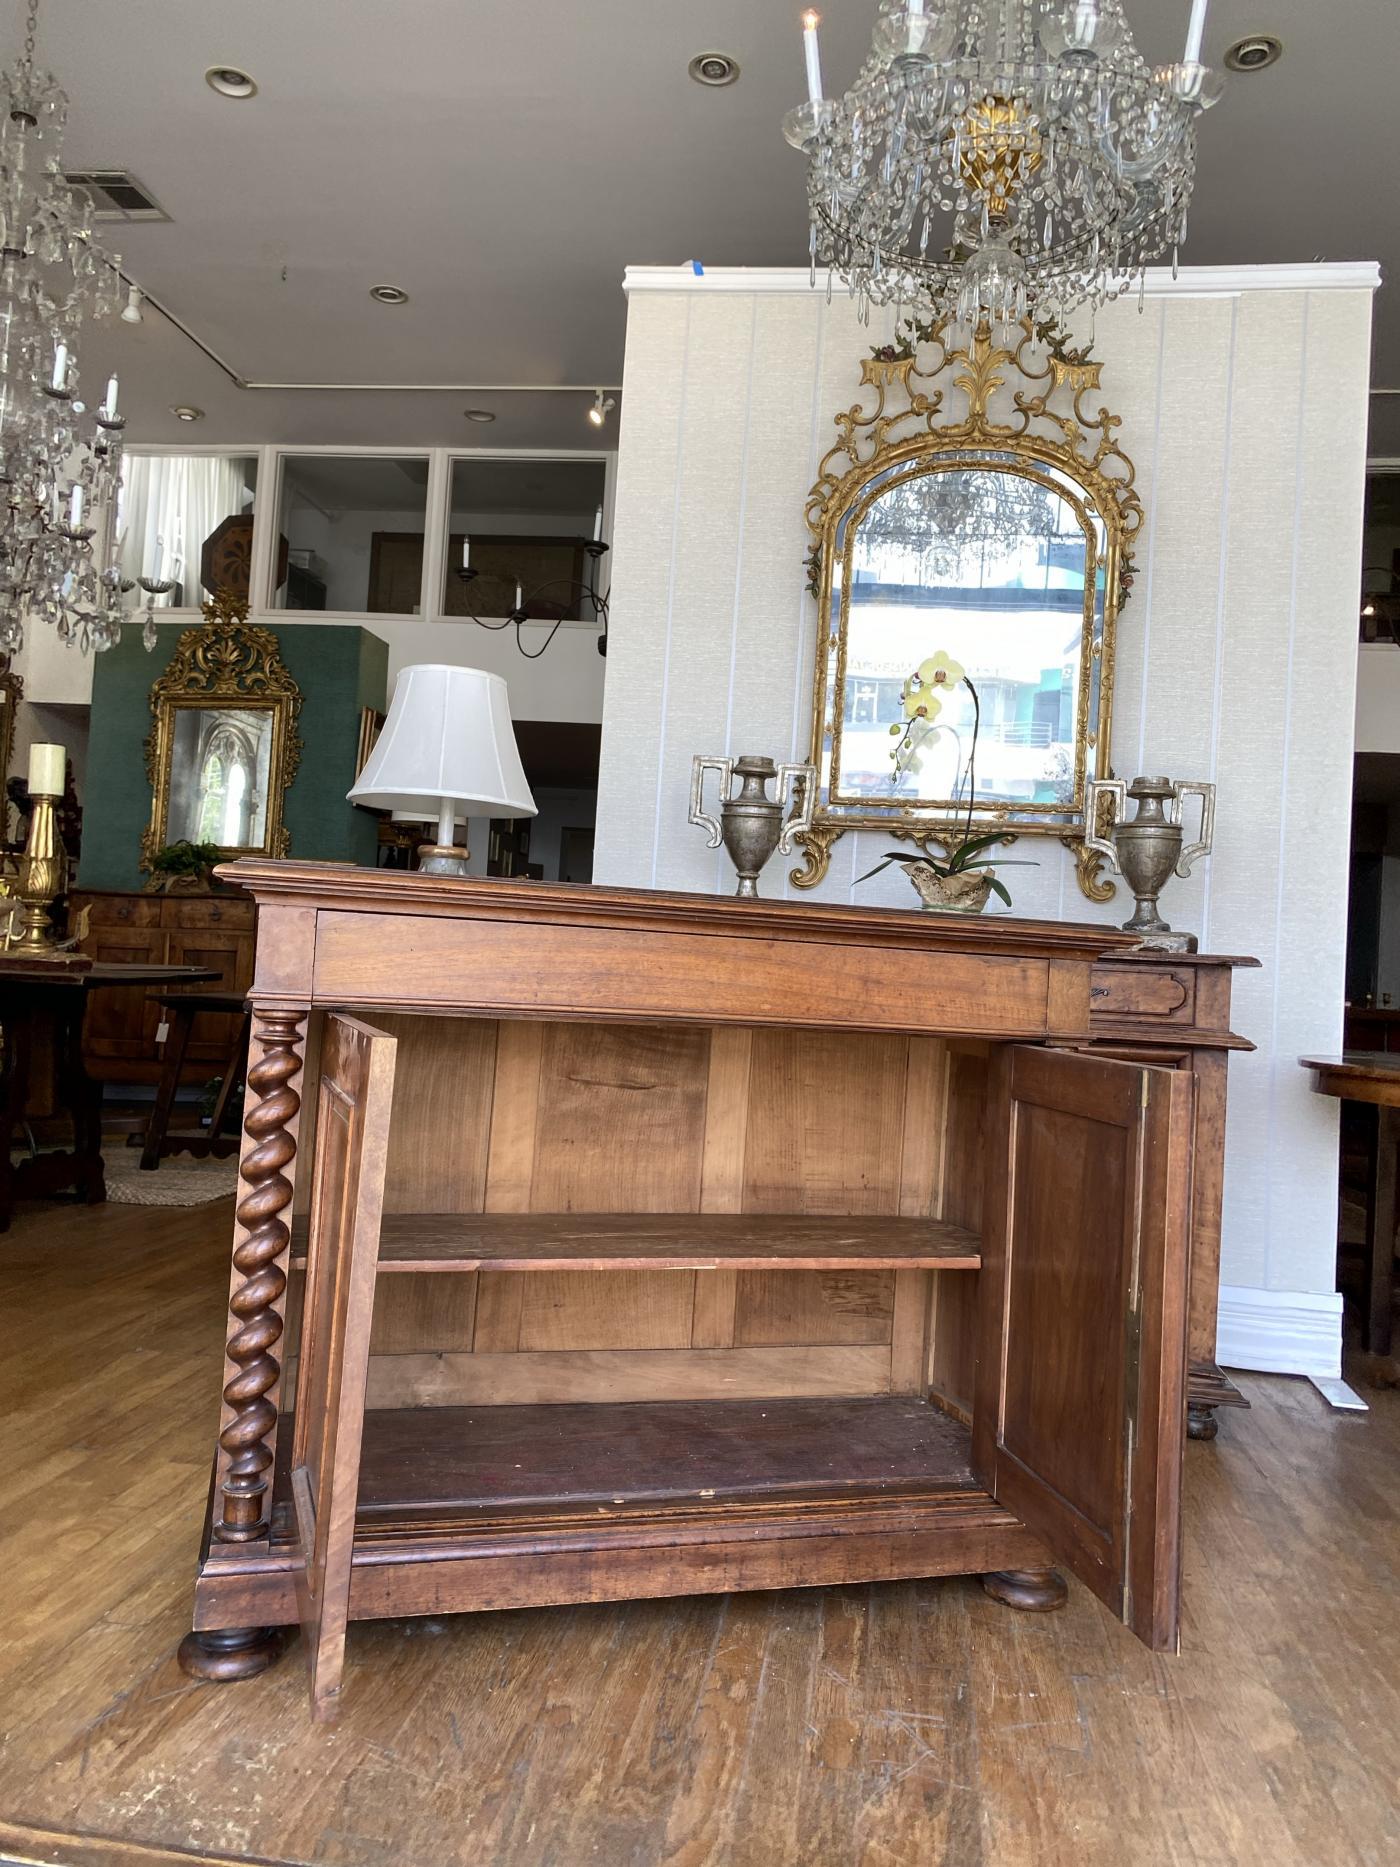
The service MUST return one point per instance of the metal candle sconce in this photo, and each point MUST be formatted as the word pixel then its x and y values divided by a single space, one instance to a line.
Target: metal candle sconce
pixel 1147 850
pixel 751 824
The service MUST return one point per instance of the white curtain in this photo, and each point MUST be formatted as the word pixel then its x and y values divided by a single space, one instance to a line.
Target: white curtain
pixel 170 504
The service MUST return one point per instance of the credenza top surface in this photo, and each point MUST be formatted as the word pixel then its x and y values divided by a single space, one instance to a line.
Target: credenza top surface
pixel 343 888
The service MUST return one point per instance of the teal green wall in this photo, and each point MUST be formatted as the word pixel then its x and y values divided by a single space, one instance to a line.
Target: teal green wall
pixel 340 670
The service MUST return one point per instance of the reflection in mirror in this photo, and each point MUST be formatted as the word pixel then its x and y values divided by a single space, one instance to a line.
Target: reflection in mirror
pixel 354 529
pixel 219 765
pixel 172 506
pixel 981 572
pixel 526 522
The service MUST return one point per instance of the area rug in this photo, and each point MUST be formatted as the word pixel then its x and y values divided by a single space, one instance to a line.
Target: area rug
pixel 176 1182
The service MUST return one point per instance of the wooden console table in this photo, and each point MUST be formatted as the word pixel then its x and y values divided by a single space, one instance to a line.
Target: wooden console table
pixel 658 1244
pixel 1373 1078
pixel 43 1013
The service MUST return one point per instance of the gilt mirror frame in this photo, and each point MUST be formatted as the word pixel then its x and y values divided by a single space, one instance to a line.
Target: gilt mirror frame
pixel 231 666
pixel 1016 405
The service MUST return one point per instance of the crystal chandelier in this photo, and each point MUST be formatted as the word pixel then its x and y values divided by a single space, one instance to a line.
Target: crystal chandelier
pixel 59 480
pixel 996 157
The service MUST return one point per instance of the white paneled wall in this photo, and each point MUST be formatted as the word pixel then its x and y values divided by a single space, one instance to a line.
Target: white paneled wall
pixel 1243 398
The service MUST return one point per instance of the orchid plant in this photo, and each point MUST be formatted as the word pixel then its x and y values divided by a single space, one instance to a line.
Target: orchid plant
pixel 922 698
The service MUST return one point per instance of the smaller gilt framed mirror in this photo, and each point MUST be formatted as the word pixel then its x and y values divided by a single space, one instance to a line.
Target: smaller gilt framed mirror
pixel 973 532
pixel 223 748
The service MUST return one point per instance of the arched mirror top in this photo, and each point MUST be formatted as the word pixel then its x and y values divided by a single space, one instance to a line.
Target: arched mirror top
pixel 973 532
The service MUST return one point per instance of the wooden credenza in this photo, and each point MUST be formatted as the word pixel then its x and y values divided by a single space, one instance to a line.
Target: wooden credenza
pixel 213 931
pixel 656 1244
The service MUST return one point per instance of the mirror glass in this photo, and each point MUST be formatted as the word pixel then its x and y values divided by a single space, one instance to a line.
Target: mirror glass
pixel 219 764
pixel 353 526
pixel 979 571
pixel 182 515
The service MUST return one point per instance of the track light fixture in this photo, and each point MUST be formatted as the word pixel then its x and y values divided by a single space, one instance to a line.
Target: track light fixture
pixel 131 311
pixel 602 407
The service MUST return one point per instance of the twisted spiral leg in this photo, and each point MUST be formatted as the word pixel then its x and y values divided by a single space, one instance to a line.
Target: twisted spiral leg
pixel 256 1299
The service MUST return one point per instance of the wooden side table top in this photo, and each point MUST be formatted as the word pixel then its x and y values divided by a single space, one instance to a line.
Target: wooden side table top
pixel 52 975
pixel 1358 1076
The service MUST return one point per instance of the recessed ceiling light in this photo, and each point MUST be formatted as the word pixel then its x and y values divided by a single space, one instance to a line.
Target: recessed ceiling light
pixel 478 414
pixel 715 69
pixel 187 411
pixel 389 294
pixel 1255 52
pixel 229 81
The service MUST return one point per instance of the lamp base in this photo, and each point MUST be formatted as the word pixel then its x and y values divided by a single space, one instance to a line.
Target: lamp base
pixel 442 859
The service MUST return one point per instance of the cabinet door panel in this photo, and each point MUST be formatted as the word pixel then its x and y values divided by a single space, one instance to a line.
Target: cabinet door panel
pixel 347 1199
pixel 121 1021
pixel 1079 1422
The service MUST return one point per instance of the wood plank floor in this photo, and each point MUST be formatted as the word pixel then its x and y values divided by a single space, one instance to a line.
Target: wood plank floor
pixel 909 1723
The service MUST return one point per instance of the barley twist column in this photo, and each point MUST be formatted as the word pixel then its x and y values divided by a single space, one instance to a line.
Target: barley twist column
pixel 256 1297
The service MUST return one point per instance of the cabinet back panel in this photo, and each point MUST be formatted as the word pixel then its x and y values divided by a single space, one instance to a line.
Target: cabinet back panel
pixel 521 1116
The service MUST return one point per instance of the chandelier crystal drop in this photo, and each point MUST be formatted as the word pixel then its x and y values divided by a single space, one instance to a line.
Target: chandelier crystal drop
pixel 999 158
pixel 60 473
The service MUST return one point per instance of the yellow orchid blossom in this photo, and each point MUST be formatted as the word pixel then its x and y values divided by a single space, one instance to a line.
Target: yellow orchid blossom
pixel 940 670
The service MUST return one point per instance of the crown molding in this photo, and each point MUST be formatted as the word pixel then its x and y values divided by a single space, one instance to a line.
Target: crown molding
pixel 1344 275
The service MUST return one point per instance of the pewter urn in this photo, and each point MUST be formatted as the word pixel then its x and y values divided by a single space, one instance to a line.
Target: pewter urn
pixel 751 824
pixel 1149 848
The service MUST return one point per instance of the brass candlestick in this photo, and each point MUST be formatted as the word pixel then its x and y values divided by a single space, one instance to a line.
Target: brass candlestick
pixel 41 879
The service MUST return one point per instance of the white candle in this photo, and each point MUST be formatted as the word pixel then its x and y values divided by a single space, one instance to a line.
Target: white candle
pixel 598 525
pixel 466 552
pixel 1195 32
pixel 810 22
pixel 160 554
pixel 48 765
pixel 519 595
pixel 60 366
pixel 109 407
pixel 75 508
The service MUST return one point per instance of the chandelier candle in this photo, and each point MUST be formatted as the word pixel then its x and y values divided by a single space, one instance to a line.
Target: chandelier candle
pixel 1195 32
pixel 812 52
pixel 996 157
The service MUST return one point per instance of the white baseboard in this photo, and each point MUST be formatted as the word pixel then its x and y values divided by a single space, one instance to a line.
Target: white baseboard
pixel 1280 1331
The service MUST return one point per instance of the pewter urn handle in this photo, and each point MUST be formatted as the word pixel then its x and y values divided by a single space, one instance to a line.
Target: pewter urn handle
pixel 1117 790
pixel 797 785
pixel 1192 852
pixel 699 765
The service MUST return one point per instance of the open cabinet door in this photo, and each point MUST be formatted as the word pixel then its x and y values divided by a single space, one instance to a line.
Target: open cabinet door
pixel 347 1199
pixel 1080 1413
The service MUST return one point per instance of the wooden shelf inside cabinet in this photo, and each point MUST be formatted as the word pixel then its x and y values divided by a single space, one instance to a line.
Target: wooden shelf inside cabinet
pixel 693 1241
pixel 470 1467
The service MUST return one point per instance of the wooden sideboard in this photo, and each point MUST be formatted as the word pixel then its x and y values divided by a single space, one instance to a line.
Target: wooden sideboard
pixel 212 931
pixel 657 1244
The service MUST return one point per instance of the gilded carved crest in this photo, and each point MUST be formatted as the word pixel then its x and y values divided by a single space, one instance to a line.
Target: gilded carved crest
pixel 986 450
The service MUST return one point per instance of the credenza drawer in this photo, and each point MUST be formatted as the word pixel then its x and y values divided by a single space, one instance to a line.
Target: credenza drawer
pixel 1160 992
pixel 532 968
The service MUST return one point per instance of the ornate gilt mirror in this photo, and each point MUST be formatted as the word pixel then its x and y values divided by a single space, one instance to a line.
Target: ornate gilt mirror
pixel 223 746
pixel 973 537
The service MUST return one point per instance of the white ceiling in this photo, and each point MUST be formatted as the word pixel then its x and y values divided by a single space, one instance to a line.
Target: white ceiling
pixel 504 161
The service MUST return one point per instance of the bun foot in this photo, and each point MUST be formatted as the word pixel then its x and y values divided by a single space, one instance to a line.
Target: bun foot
pixel 225 1653
pixel 1035 1591
pixel 1201 1422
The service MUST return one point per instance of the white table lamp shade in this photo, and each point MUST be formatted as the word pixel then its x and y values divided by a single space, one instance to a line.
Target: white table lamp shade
pixel 448 737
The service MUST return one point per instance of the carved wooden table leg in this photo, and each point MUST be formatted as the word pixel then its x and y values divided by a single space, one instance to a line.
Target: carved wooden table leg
pixel 227 1653
pixel 255 1304
pixel 1037 1591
